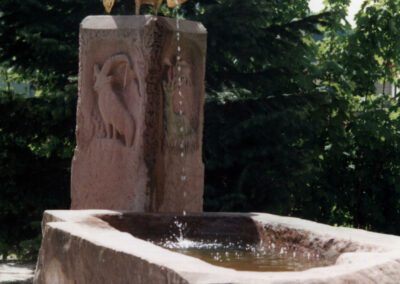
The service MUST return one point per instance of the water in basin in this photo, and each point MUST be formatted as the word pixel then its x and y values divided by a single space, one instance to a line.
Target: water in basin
pixel 241 256
pixel 229 241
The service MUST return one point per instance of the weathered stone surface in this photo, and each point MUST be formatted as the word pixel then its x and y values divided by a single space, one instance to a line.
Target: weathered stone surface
pixel 12 272
pixel 81 247
pixel 128 144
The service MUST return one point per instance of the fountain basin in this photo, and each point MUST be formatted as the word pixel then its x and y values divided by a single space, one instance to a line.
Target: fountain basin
pixel 102 246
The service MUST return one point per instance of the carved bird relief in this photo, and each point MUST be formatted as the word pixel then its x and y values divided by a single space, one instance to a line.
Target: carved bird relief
pixel 108 4
pixel 118 122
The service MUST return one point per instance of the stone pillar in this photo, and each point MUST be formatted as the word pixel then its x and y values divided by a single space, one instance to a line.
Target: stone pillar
pixel 128 154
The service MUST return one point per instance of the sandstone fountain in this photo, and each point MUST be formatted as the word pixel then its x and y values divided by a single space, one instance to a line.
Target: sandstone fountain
pixel 137 180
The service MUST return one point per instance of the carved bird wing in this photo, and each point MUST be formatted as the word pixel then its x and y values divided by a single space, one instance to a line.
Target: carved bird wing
pixel 173 3
pixel 108 4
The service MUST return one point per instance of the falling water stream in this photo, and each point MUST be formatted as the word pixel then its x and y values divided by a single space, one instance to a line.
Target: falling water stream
pixel 183 176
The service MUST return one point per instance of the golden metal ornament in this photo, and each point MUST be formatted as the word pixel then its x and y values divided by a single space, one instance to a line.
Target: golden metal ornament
pixel 108 4
pixel 172 3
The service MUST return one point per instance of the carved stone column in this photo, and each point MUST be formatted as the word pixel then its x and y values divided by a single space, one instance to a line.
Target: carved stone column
pixel 128 154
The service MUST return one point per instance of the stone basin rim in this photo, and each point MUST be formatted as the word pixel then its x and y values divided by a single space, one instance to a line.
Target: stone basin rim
pixel 392 242
pixel 87 225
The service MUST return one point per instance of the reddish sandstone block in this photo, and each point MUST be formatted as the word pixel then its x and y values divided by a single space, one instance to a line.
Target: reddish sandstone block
pixel 128 154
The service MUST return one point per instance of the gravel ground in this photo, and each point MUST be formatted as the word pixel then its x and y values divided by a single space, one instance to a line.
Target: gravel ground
pixel 14 272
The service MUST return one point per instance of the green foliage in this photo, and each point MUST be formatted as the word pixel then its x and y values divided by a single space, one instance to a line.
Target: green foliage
pixel 360 159
pixel 374 50
pixel 361 168
pixel 40 38
pixel 36 144
pixel 286 132
pixel 376 159
pixel 262 113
